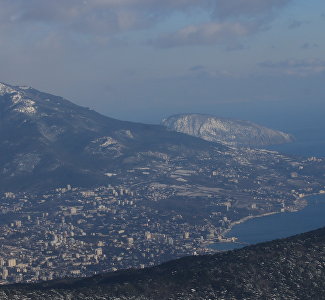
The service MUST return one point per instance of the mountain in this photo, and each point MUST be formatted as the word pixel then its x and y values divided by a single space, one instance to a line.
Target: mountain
pixel 47 141
pixel 227 131
pixel 291 268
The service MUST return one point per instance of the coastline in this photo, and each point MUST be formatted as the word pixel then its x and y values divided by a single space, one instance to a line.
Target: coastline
pixel 303 203
pixel 240 221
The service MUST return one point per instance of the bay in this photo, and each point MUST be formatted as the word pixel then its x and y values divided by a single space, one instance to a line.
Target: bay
pixel 309 142
pixel 277 226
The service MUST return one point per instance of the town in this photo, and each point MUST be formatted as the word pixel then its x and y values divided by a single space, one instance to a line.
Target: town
pixel 71 231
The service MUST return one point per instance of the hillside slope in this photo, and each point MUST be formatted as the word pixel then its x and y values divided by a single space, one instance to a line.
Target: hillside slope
pixel 292 268
pixel 47 141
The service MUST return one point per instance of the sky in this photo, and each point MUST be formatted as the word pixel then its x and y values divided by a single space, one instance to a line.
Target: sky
pixel 143 60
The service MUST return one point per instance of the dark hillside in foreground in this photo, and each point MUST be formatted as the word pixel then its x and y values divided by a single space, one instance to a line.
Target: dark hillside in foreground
pixel 291 268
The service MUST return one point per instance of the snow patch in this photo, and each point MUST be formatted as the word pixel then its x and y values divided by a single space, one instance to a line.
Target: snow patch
pixel 106 142
pixel 105 146
pixel 19 102
pixel 25 106
pixel 110 174
pixel 125 133
pixel 5 89
pixel 24 87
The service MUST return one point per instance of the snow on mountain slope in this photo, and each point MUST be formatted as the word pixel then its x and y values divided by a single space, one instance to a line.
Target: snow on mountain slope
pixel 47 141
pixel 230 132
pixel 19 102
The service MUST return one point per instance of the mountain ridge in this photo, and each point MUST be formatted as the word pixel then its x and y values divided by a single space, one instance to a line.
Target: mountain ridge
pixel 45 134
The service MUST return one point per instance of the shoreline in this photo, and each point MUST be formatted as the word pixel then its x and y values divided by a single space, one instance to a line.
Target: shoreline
pixel 243 220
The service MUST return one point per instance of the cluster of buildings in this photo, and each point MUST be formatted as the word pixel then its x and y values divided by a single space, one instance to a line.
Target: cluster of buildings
pixel 75 232
pixel 147 218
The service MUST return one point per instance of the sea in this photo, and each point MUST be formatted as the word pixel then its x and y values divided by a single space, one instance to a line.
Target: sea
pixel 308 143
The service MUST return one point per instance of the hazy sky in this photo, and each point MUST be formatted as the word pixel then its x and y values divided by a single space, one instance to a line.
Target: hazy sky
pixel 145 59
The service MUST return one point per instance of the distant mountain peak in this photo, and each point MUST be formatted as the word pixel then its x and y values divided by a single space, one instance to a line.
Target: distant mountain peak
pixel 227 131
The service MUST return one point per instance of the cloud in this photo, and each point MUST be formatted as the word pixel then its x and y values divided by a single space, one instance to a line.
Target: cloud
pixel 237 8
pixel 102 17
pixel 206 34
pixel 296 24
pixel 204 73
pixel 295 67
pixel 230 21
pixel 94 16
pixel 307 46
pixel 197 68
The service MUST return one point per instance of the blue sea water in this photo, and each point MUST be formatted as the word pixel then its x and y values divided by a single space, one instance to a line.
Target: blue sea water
pixel 279 225
pixel 308 143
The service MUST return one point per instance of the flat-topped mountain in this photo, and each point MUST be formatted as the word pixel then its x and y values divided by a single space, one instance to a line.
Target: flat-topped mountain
pixel 291 268
pixel 227 131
